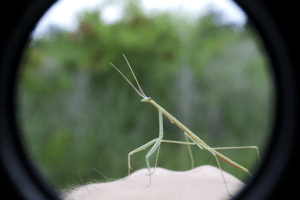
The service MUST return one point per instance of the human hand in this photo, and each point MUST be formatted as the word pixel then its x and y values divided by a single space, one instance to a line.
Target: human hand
pixel 204 182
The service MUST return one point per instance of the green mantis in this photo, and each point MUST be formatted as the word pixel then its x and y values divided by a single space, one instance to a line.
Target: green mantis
pixel 188 134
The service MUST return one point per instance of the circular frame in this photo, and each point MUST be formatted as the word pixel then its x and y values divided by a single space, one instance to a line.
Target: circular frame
pixel 23 179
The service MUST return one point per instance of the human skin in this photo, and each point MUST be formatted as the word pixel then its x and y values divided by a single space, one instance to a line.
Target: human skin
pixel 205 182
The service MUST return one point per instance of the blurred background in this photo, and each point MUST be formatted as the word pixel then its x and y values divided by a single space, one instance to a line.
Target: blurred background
pixel 79 117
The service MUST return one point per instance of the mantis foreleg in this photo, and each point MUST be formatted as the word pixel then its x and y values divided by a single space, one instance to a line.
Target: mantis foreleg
pixel 157 142
pixel 139 149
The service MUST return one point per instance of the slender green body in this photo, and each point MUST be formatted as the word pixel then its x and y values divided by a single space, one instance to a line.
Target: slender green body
pixel 188 134
pixel 195 138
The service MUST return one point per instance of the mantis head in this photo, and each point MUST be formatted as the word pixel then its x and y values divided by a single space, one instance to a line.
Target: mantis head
pixel 147 99
pixel 140 92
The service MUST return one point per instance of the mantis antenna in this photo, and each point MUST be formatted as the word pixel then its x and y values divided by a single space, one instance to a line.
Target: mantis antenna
pixel 141 93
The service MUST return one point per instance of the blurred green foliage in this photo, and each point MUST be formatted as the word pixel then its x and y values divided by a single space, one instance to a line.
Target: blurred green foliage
pixel 80 117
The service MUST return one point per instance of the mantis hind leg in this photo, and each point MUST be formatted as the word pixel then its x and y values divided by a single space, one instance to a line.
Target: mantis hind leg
pixel 243 147
pixel 220 170
pixel 190 150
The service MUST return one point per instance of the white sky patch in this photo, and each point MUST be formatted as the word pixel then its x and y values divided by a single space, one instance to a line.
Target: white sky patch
pixel 187 4
pixel 63 14
pixel 111 14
